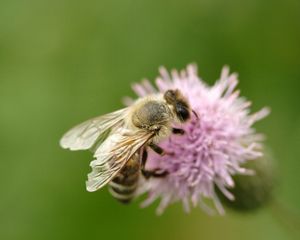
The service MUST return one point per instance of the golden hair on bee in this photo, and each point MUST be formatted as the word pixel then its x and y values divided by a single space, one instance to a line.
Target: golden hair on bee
pixel 121 157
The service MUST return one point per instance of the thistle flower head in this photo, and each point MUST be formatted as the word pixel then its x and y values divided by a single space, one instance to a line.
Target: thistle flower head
pixel 218 140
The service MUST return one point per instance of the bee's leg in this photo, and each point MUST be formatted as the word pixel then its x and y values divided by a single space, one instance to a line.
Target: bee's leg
pixel 150 173
pixel 144 158
pixel 157 149
pixel 154 173
pixel 178 131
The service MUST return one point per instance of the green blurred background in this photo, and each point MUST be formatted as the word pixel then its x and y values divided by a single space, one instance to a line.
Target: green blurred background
pixel 62 62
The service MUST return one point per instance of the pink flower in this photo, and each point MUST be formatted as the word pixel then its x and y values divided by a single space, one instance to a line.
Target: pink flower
pixel 214 147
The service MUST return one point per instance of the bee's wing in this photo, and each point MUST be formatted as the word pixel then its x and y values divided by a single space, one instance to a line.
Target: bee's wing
pixel 113 154
pixel 85 135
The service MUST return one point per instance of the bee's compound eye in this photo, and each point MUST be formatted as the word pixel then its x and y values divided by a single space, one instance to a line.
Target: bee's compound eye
pixel 182 113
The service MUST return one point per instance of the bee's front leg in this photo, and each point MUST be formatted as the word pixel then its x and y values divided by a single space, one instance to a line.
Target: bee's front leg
pixel 150 173
pixel 178 131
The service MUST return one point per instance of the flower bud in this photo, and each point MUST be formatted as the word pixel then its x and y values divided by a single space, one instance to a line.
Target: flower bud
pixel 253 191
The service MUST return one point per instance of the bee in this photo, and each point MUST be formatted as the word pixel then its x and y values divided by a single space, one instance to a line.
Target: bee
pixel 121 139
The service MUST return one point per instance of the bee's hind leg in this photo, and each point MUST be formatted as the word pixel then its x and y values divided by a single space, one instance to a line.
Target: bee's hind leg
pixel 154 173
pixel 150 173
pixel 144 157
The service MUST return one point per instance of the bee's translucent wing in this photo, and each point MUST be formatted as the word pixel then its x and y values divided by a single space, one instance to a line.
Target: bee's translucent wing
pixel 85 135
pixel 113 154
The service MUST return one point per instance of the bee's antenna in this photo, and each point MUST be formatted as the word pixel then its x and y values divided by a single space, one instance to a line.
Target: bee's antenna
pixel 195 114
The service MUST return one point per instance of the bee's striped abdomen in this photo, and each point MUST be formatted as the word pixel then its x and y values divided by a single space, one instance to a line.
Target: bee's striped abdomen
pixel 123 186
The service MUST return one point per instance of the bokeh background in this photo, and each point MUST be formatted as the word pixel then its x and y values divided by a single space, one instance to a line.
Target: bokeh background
pixel 62 62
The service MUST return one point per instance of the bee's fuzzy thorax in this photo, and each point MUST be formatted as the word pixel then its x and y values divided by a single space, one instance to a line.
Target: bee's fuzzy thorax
pixel 152 113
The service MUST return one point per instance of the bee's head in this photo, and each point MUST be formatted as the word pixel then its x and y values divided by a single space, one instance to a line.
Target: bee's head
pixel 179 104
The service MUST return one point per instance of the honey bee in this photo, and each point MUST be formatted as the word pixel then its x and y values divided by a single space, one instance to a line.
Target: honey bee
pixel 121 139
